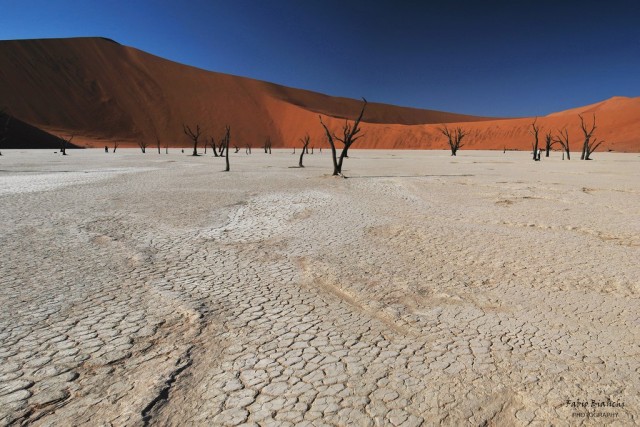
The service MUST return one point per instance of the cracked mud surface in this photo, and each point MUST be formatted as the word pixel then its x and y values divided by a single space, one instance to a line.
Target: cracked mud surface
pixel 486 289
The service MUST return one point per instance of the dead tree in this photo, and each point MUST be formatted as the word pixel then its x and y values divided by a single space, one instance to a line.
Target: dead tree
pixel 587 137
pixel 143 145
pixel 225 142
pixel 166 148
pixel 305 148
pixel 158 144
pixel 237 148
pixel 294 150
pixel 4 128
pixel 213 146
pixel 549 142
pixel 534 131
pixel 563 140
pixel 194 137
pixel 267 145
pixel 116 144
pixel 64 143
pixel 350 135
pixel 454 138
pixel 247 149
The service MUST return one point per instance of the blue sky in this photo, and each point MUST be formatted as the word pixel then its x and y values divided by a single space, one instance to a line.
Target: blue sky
pixel 493 58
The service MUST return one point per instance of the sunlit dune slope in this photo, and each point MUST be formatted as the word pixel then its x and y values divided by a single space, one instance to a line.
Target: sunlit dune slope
pixel 101 91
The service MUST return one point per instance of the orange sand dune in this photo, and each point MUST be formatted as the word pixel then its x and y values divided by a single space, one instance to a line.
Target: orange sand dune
pixel 102 91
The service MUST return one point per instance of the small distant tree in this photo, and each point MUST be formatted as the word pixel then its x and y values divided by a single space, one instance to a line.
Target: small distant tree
pixel 143 145
pixel 225 141
pixel 563 140
pixel 267 145
pixel 588 147
pixel 64 143
pixel 236 148
pixel 4 127
pixel 349 136
pixel 116 144
pixel 158 144
pixel 193 136
pixel 454 138
pixel 166 147
pixel 534 131
pixel 549 142
pixel 247 149
pixel 305 146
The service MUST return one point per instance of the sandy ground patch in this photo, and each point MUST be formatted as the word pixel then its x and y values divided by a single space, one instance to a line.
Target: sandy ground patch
pixel 424 289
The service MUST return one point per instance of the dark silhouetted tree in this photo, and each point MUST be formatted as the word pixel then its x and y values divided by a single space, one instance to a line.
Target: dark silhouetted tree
pixel 587 146
pixel 64 143
pixel 158 145
pixel 193 136
pixel 549 142
pixel 454 138
pixel 305 145
pixel 535 129
pixel 116 144
pixel 349 136
pixel 143 145
pixel 226 139
pixel 563 140
pixel 267 145
pixel 247 149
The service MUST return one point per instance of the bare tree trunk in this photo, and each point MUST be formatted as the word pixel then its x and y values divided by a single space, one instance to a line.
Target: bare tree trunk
pixel 64 142
pixel 591 148
pixel 305 148
pixel 194 137
pixel 116 144
pixel 587 137
pixel 158 142
pixel 143 146
pixel 534 131
pixel 563 140
pixel 227 139
pixel 333 148
pixel 454 139
pixel 350 135
pixel 548 143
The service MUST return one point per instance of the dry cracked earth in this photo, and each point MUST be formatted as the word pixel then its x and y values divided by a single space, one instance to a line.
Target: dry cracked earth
pixel 480 290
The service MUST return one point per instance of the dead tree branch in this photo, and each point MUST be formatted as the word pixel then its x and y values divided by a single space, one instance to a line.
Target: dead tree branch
pixel 587 137
pixel 454 138
pixel 194 137
pixel 350 135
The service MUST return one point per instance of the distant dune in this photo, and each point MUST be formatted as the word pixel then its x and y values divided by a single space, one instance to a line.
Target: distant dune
pixel 100 91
